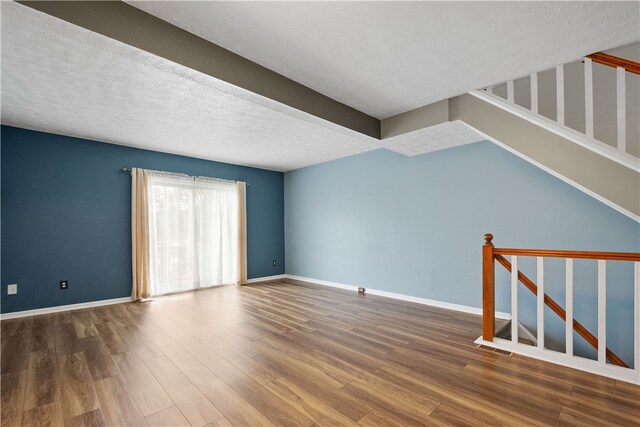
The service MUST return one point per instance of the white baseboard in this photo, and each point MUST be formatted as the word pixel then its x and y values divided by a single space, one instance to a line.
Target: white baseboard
pixel 612 371
pixel 266 278
pixel 409 298
pixel 403 297
pixel 60 308
pixel 323 282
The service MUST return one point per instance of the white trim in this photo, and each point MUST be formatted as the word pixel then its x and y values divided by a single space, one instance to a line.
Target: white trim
pixel 540 300
pixel 534 93
pixel 560 94
pixel 557 175
pixel 514 298
pixel 510 92
pixel 622 108
pixel 572 135
pixel 266 278
pixel 636 316
pixel 569 307
pixel 60 308
pixel 402 297
pixel 602 312
pixel 323 283
pixel 612 371
pixel 588 97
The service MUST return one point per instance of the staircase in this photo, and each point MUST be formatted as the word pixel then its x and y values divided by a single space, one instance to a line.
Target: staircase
pixel 608 173
pixel 514 337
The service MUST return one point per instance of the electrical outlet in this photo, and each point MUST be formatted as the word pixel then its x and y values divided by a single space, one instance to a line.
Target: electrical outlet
pixel 64 284
pixel 275 262
pixel 12 289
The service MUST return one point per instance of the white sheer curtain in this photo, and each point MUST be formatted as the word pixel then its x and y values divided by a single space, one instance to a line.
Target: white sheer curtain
pixel 193 229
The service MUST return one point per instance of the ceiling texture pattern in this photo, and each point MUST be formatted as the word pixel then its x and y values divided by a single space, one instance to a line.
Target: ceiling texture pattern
pixel 432 138
pixel 380 58
pixel 385 58
pixel 61 78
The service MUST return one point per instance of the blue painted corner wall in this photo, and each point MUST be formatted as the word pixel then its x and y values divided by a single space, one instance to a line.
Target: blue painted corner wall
pixel 415 226
pixel 66 216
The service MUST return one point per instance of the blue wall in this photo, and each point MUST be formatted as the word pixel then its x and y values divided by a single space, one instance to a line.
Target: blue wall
pixel 66 215
pixel 415 225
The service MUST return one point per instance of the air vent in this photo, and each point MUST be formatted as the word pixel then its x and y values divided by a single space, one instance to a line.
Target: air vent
pixel 495 350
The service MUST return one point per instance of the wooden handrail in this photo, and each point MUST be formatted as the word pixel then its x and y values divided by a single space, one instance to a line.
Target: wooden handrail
pixel 490 254
pixel 616 256
pixel 557 309
pixel 614 61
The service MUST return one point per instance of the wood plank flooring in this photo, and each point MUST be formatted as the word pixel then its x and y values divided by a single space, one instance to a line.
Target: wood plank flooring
pixel 285 353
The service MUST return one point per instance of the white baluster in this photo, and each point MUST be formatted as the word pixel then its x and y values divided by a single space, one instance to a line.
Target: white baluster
pixel 602 312
pixel 514 299
pixel 510 90
pixel 569 305
pixel 560 94
pixel 588 97
pixel 622 110
pixel 534 92
pixel 540 282
pixel 636 315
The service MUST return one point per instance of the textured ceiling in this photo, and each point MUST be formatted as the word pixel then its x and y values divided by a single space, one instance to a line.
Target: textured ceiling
pixel 384 58
pixel 60 78
pixel 433 138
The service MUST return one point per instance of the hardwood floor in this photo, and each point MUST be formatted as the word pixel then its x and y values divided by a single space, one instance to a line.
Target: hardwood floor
pixel 284 353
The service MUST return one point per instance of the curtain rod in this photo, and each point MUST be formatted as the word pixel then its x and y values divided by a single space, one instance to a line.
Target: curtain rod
pixel 188 176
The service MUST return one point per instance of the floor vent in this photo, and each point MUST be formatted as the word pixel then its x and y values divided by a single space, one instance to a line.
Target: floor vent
pixel 495 350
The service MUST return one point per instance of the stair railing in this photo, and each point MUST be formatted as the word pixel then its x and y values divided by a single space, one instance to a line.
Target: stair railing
pixel 490 255
pixel 586 138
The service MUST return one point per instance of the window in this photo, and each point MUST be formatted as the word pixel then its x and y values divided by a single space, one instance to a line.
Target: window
pixel 193 233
